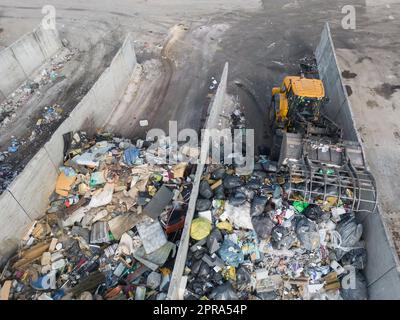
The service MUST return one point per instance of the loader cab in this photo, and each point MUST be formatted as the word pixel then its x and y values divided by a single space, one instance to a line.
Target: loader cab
pixel 296 95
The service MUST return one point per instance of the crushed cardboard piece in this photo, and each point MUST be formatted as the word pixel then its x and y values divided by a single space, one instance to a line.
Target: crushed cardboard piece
pixel 31 254
pixel 5 290
pixel 64 184
pixel 179 170
pixel 122 223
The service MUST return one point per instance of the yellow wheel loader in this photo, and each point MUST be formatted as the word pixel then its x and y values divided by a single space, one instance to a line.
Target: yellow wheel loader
pixel 323 168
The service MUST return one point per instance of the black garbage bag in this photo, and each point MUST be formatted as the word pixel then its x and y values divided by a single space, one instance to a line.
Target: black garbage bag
pixel 196 266
pixel 204 271
pixel 282 238
pixel 272 295
pixel 356 257
pixel 238 198
pixel 214 240
pixel 199 253
pixel 357 292
pixel 261 175
pixel 224 292
pixel 307 233
pixel 205 190
pixel 218 174
pixel 219 193
pixel 199 286
pixel 231 182
pixel 350 232
pixel 203 204
pixel 278 232
pixel 263 226
pixel 315 213
pixel 258 205
pixel 243 277
pixel 254 184
pixel 247 192
pixel 216 276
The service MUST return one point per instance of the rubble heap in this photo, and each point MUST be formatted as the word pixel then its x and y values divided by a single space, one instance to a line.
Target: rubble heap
pixel 112 226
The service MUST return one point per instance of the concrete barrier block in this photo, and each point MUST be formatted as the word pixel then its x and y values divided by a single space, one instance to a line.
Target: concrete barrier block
pixel 12 74
pixel 28 53
pixel 48 40
pixel 13 227
pixel 120 73
pixel 105 95
pixel 380 257
pixel 385 288
pixel 128 52
pixel 344 118
pixel 34 184
pixel 84 116
pixel 55 146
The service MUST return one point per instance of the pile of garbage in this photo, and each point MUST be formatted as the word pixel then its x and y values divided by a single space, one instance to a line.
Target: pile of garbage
pixel 249 242
pixel 112 225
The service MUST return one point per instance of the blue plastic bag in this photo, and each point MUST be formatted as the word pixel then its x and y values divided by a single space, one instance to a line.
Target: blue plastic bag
pixel 130 155
pixel 231 253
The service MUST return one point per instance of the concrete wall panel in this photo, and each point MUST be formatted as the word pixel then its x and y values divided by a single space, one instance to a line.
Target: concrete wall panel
pixel 14 225
pixel 28 52
pixel 386 288
pixel 48 40
pixel 12 74
pixel 380 252
pixel 128 52
pixel 119 71
pixel 34 185
pixel 55 146
pixel 105 94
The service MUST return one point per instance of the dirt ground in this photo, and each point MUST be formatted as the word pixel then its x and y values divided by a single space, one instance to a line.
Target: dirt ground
pixel 182 44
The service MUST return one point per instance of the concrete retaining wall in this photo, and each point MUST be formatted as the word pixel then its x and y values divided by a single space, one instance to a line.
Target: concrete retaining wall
pixel 18 61
pixel 26 199
pixel 212 122
pixel 382 270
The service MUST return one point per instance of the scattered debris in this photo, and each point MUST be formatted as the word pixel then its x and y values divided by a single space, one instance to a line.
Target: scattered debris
pixel 107 232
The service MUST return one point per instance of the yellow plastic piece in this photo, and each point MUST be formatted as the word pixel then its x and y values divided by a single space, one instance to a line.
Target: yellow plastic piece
pixel 200 228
